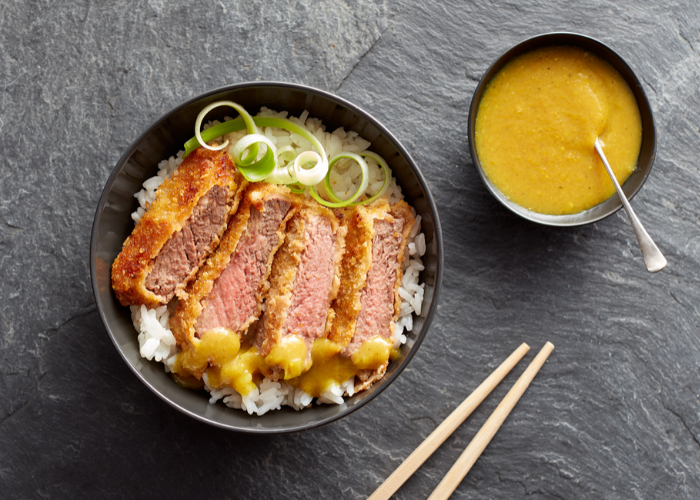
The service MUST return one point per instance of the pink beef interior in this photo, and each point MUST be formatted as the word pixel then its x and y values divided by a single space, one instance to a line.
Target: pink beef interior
pixel 307 314
pixel 377 301
pixel 186 248
pixel 233 297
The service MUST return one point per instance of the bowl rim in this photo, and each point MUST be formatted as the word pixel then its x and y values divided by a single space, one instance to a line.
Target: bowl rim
pixel 427 320
pixel 538 41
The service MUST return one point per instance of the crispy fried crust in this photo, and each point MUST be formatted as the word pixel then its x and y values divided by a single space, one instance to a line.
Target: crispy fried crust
pixel 175 201
pixel 355 265
pixel 190 306
pixel 357 260
pixel 282 278
pixel 401 210
pixel 366 378
pixel 284 275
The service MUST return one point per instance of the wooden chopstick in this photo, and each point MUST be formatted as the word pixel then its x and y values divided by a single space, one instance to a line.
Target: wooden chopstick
pixel 445 429
pixel 455 475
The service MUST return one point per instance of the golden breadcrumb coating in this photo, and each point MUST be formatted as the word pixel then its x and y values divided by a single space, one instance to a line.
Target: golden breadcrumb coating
pixel 175 201
pixel 356 263
pixel 285 271
pixel 400 210
pixel 357 260
pixel 191 305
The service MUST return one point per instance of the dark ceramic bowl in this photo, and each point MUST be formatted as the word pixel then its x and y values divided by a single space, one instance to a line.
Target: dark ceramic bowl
pixel 647 152
pixel 164 138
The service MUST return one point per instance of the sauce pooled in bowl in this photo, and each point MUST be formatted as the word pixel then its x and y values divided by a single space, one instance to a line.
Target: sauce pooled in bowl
pixel 538 120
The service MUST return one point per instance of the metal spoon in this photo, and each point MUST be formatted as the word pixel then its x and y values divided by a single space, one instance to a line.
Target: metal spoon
pixel 653 258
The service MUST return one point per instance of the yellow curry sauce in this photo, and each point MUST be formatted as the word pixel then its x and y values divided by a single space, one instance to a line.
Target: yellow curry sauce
pixel 229 362
pixel 538 120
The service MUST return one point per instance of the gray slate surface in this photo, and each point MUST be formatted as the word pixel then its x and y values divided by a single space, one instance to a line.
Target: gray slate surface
pixel 615 413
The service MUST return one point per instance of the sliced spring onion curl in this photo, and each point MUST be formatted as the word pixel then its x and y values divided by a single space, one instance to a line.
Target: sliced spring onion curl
pixel 306 169
pixel 337 203
pixel 363 186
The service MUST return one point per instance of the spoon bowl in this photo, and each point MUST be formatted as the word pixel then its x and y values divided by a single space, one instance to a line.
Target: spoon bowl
pixel 647 152
pixel 113 224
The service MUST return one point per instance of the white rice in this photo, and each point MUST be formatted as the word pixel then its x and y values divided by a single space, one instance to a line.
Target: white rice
pixel 156 340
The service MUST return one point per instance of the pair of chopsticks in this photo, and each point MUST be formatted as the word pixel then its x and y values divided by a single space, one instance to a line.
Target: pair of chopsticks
pixel 465 462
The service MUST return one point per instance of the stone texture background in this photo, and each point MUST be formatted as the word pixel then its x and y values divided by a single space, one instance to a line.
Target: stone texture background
pixel 615 413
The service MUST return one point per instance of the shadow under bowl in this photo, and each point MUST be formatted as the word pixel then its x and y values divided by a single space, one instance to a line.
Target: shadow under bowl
pixel 165 138
pixel 647 151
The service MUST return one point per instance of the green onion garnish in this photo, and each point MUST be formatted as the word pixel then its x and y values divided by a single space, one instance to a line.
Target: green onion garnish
pixel 296 188
pixel 349 202
pixel 296 174
pixel 338 203
pixel 387 177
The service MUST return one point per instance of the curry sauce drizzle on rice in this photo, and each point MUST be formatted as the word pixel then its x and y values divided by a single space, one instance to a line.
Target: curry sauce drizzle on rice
pixel 178 231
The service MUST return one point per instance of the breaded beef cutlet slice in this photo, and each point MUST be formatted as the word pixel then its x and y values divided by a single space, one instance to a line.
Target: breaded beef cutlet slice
pixel 178 230
pixel 229 289
pixel 304 281
pixel 368 301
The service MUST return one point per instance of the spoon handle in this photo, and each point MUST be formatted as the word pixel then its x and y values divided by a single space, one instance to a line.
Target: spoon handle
pixel 653 258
